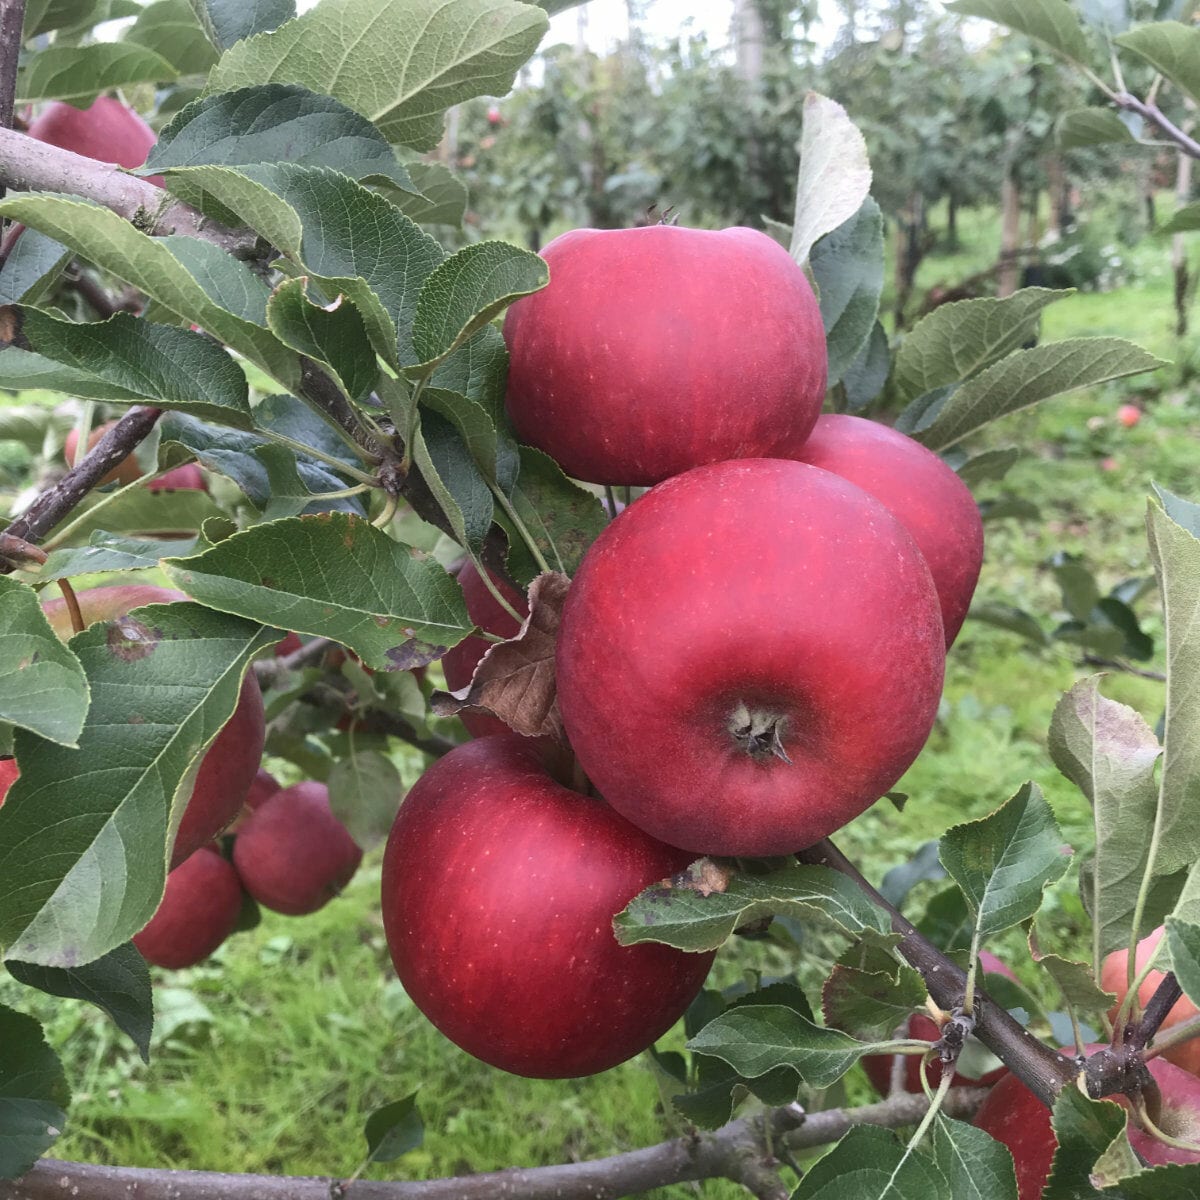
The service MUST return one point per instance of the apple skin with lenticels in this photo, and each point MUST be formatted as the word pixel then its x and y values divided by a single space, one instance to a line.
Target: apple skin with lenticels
pixel 499 889
pixel 749 656
pixel 658 349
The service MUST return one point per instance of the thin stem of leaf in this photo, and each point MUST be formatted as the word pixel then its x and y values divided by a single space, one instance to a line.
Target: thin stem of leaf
pixel 488 582
pixel 67 531
pixel 522 529
pixel 344 468
pixel 78 625
pixel 387 513
pixel 610 501
pixel 357 490
pixel 1185 1031
pixel 969 997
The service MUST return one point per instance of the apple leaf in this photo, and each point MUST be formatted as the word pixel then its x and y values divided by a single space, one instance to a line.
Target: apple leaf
pixel 976 1166
pixel 150 264
pixel 171 30
pixel 1171 48
pixel 988 465
pixel 688 916
pixel 863 379
pixel 79 74
pixel 48 16
pixel 444 461
pixel 81 878
pixel 1026 377
pixel 334 576
pixel 365 791
pixel 138 512
pixel 31 268
pixel 1184 220
pixel 1075 980
pixel 873 1162
pixel 347 49
pixel 847 264
pixel 1091 127
pixel 835 173
pixel 277 123
pixel 1086 1130
pixel 515 679
pixel 1183 941
pixel 442 198
pixel 130 358
pixel 899 881
pixel 478 369
pixel 228 21
pixel 871 1004
pixel 1003 861
pixel 492 447
pixel 33 1094
pixel 109 552
pixel 42 685
pixel 393 1130
pixel 957 341
pixel 1052 22
pixel 118 984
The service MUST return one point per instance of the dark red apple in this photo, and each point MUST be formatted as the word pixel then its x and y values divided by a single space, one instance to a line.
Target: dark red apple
pixel 199 910
pixel 499 889
pixel 107 131
pixel 229 764
pixel 8 775
pixel 879 1066
pixel 289 645
pixel 292 853
pixel 263 787
pixel 749 656
pixel 658 349
pixel 1012 1114
pixel 920 490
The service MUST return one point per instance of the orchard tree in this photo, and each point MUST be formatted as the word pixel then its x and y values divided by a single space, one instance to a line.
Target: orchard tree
pixel 713 648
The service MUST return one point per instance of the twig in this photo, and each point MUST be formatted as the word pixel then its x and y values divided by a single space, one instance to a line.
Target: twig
pixel 1165 997
pixel 104 305
pixel 1116 664
pixel 1155 115
pixel 12 18
pixel 1185 1031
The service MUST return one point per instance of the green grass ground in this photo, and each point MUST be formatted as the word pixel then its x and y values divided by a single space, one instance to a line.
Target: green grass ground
pixel 270 1057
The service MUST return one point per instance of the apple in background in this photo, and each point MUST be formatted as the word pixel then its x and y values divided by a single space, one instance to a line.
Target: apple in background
pixel 1129 415
pixel 1012 1114
pixel 8 774
pixel 107 131
pixel 292 853
pixel 749 656
pixel 229 764
pixel 1114 978
pixel 879 1066
pixel 189 477
pixel 289 645
pixel 499 889
pixel 634 364
pixel 920 490
pixel 495 116
pixel 264 786
pixel 199 910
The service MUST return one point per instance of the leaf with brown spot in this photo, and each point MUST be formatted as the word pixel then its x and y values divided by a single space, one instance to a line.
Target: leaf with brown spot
pixel 515 679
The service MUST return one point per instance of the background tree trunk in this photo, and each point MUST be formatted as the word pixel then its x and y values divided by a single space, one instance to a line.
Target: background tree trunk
pixel 1180 270
pixel 1010 232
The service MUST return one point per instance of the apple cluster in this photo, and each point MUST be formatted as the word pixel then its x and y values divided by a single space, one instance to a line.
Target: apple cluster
pixel 749 655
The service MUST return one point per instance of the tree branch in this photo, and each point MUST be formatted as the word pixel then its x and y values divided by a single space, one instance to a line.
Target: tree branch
pixel 1164 999
pixel 12 18
pixel 1155 115
pixel 1043 1070
pixel 739 1151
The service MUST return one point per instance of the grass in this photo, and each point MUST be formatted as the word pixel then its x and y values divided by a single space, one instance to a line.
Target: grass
pixel 270 1057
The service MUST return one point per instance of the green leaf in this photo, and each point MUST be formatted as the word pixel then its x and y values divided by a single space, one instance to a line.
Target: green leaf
pixel 442 199
pixel 863 380
pixel 82 879
pixel 681 917
pixel 348 49
pixel 872 1162
pixel 871 1004
pixel 129 358
pixel 899 881
pixel 1076 983
pixel 1052 22
pixel 333 576
pixel 847 265
pixel 79 74
pixel 170 29
pixel 1015 620
pixel 109 552
pixel 277 123
pixel 118 984
pixel 1109 752
pixel 976 1166
pixel 1183 941
pixel 365 791
pixel 394 1130
pixel 465 292
pixel 990 464
pixel 1171 48
pixel 1091 127
pixel 957 341
pixel 1085 1129
pixel 228 21
pixel 493 449
pixel 142 513
pixel 48 16
pixel 1175 552
pixel 1028 376
pixel 1003 861
pixel 286 492
pixel 33 1094
pixel 835 174
pixel 451 474
pixel 42 686
pixel 31 268
pixel 1183 220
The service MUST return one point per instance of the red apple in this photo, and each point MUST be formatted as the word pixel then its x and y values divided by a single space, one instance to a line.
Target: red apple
pixel 8 775
pixel 289 645
pixel 924 494
pixel 292 853
pixel 1114 978
pixel 1012 1114
pixel 494 115
pixel 499 889
pixel 263 787
pixel 229 764
pixel 658 349
pixel 199 910
pixel 1129 415
pixel 107 131
pixel 460 661
pixel 750 656
pixel 879 1066
pixel 189 477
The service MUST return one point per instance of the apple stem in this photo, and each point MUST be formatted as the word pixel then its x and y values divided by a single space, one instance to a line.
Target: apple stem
pixel 610 501
pixel 72 602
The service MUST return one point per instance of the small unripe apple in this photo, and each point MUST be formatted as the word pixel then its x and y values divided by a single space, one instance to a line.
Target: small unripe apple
pixel 199 910
pixel 659 349
pixel 292 853
pixel 1129 415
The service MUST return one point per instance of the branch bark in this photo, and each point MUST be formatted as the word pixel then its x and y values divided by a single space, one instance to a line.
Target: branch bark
pixel 739 1151
pixel 1155 115
pixel 12 18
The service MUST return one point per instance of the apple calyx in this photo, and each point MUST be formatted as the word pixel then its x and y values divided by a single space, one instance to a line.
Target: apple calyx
pixel 758 732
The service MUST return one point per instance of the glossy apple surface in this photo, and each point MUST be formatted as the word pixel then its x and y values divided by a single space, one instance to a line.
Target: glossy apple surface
pixel 879 1066
pixel 658 349
pixel 199 910
pixel 107 131
pixel 736 613
pixel 499 889
pixel 229 764
pixel 292 853
pixel 1012 1114
pixel 920 490
pixel 1114 978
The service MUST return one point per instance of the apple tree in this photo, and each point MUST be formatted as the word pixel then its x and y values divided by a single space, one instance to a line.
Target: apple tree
pixel 688 663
